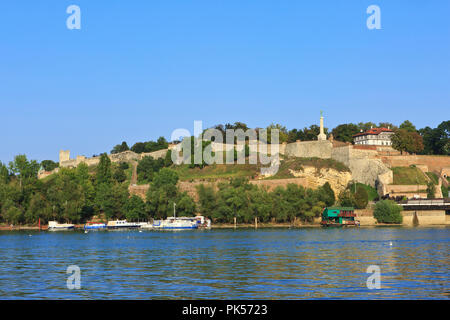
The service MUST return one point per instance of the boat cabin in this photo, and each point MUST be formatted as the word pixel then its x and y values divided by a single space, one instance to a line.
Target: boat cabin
pixel 339 216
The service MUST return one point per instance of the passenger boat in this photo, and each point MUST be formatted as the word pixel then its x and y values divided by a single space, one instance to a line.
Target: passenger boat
pixel 94 226
pixel 174 223
pixel 55 226
pixel 146 225
pixel 122 224
pixel 339 217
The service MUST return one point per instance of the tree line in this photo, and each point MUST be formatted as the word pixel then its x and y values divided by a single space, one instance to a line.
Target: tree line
pixel 76 195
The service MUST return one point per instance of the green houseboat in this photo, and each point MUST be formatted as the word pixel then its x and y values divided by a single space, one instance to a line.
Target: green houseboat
pixel 339 217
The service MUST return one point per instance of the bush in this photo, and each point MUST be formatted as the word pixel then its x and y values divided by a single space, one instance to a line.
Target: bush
pixel 346 198
pixel 431 190
pixel 387 211
pixel 361 198
pixel 444 190
pixel 328 194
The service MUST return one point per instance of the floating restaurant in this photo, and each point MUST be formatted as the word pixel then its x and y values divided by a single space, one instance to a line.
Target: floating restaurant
pixel 339 217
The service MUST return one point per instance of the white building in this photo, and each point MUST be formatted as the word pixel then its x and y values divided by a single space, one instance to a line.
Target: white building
pixel 374 137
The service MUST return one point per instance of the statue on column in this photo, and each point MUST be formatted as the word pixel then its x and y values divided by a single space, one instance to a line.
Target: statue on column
pixel 322 136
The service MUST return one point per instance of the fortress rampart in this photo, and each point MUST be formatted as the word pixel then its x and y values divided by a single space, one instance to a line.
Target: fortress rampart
pixel 368 164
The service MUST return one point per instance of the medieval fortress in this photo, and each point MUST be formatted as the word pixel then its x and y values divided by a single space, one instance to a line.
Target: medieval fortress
pixel 369 164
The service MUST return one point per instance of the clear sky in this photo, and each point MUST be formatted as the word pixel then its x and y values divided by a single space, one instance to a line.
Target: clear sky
pixel 140 69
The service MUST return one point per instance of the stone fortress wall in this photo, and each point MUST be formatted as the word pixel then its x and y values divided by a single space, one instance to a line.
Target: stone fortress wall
pixel 370 165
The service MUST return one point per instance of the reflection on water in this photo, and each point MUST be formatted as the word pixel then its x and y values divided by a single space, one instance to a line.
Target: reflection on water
pixel 234 264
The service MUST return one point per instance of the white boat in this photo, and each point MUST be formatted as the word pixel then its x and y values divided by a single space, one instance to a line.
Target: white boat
pixel 174 223
pixel 55 226
pixel 203 222
pixel 146 225
pixel 122 224
pixel 94 226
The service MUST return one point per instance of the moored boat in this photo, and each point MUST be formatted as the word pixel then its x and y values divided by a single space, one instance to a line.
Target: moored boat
pixel 173 223
pixel 122 224
pixel 94 226
pixel 339 217
pixel 55 226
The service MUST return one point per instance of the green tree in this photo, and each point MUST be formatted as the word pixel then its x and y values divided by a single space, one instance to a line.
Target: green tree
pixel 282 133
pixel 49 165
pixel 111 199
pixel 345 132
pixel 444 190
pixel 387 211
pixel 162 193
pixel 185 206
pixel 118 174
pixel 11 213
pixel 25 170
pixel 327 194
pixel 408 126
pixel 361 198
pixel 134 208
pixel 104 173
pixel 346 198
pixel 404 140
pixel 4 173
pixel 431 190
pixel 147 167
pixel 120 148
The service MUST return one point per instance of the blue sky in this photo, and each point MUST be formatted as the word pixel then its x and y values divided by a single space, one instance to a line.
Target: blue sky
pixel 140 69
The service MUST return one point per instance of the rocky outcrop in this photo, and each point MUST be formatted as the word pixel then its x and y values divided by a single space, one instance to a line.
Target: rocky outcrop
pixel 315 178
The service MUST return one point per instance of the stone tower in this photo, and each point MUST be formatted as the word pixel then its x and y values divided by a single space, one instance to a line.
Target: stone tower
pixel 64 156
pixel 322 136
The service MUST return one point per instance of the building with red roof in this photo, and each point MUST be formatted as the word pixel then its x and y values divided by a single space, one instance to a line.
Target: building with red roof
pixel 374 137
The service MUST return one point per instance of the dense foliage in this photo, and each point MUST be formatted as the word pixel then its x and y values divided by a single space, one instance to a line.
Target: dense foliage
pixel 49 165
pixel 120 148
pixel 431 190
pixel 355 195
pixel 150 146
pixel 387 211
pixel 238 198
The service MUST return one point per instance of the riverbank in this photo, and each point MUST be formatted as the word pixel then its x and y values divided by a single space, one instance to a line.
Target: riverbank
pixel 245 226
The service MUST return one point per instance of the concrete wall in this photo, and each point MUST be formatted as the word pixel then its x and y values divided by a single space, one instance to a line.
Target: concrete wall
pixel 363 164
pixel 431 217
pixel 126 156
pixel 365 217
pixel 155 154
pixel 307 149
pixel 434 163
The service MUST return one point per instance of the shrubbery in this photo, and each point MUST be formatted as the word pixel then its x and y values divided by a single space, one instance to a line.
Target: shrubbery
pixel 350 197
pixel 387 211
pixel 238 198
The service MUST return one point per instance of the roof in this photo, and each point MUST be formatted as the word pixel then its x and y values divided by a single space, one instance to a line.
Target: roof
pixel 340 208
pixel 374 131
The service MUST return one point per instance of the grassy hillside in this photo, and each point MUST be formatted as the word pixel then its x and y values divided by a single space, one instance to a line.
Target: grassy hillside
pixel 433 176
pixel 371 191
pixel 222 171
pixel 297 164
pixel 217 171
pixel 408 175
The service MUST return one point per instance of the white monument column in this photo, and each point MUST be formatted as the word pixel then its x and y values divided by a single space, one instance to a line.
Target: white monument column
pixel 321 136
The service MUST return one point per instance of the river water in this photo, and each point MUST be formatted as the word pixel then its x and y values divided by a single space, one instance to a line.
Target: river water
pixel 307 263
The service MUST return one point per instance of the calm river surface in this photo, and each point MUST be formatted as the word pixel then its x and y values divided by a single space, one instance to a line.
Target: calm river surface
pixel 308 263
